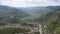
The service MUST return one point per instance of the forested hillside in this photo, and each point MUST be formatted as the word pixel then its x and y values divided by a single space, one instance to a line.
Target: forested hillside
pixel 52 22
pixel 30 20
pixel 11 15
pixel 11 19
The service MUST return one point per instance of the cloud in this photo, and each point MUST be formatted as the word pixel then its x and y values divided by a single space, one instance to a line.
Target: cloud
pixel 30 3
pixel 58 1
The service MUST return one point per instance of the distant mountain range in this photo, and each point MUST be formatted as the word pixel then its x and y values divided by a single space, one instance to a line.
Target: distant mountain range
pixel 54 7
pixel 40 10
pixel 14 14
pixel 32 10
pixel 5 10
pixel 11 15
pixel 22 12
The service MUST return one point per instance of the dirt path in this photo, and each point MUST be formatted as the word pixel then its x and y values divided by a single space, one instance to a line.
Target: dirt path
pixel 40 29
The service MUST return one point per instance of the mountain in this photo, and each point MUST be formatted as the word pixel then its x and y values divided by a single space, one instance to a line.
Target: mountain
pixel 53 7
pixel 13 13
pixel 40 9
pixel 36 10
pixel 10 14
pixel 52 22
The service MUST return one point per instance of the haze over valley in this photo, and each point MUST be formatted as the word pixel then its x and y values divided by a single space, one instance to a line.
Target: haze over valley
pixel 29 16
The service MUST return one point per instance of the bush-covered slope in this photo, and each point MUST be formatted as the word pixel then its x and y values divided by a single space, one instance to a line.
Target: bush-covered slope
pixel 11 15
pixel 53 22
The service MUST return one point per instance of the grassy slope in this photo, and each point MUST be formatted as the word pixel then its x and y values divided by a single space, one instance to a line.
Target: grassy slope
pixel 53 23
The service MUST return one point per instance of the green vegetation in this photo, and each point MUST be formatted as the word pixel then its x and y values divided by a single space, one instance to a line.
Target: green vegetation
pixel 9 16
pixel 53 23
pixel 13 17
pixel 12 30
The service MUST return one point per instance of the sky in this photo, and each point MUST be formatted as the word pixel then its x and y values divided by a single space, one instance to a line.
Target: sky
pixel 30 3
